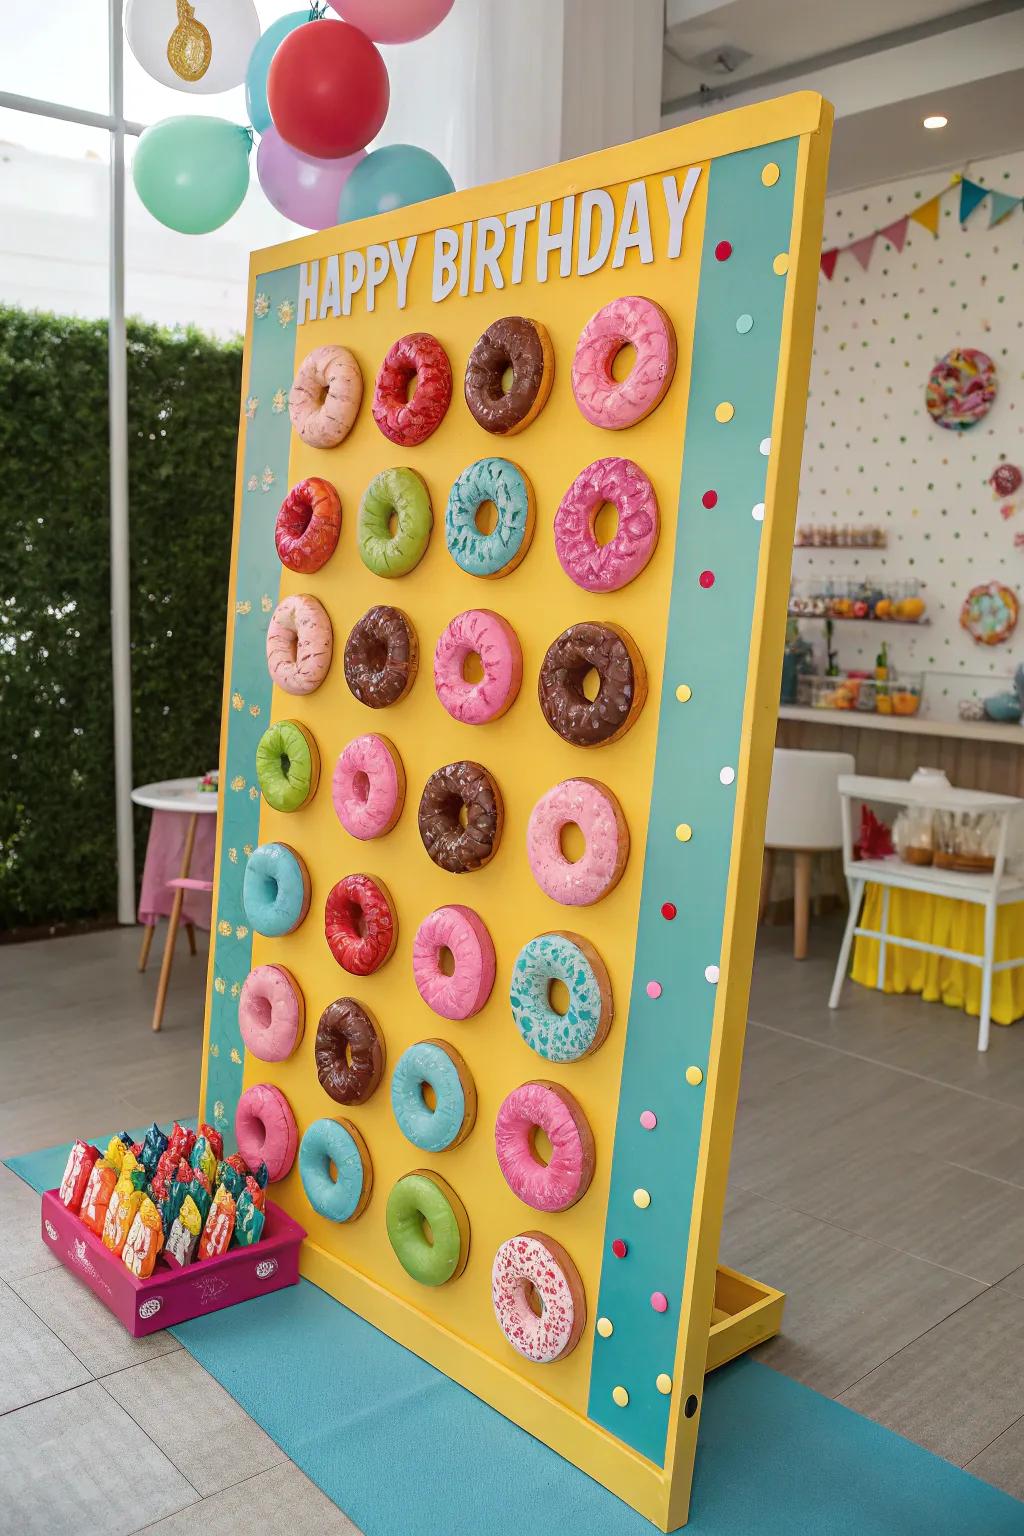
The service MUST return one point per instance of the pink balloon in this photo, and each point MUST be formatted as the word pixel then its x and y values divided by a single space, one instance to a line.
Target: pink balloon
pixel 300 186
pixel 393 21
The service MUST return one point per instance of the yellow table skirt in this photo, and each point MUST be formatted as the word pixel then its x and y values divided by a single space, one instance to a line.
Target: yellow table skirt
pixel 956 924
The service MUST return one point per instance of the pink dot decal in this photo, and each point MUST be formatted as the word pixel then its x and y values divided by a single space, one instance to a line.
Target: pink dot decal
pixel 619 1248
pixel 648 1119
pixel 668 910
pixel 654 989
pixel 723 250
pixel 707 579
pixel 659 1301
pixel 710 499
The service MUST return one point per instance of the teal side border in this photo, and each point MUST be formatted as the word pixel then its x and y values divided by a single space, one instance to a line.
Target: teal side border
pixel 708 651
pixel 267 429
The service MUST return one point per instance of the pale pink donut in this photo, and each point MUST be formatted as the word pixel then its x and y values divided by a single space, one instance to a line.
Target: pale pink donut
pixel 595 810
pixel 265 1129
pixel 300 643
pixel 607 567
pixel 485 634
pixel 368 787
pixel 463 993
pixel 271 1013
pixel 531 1259
pixel 325 396
pixel 566 1178
pixel 603 399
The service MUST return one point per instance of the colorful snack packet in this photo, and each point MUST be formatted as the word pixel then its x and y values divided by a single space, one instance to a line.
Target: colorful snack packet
pixel 201 1193
pixel 218 1227
pixel 177 1194
pixel 115 1152
pixel 154 1144
pixel 166 1167
pixel 144 1241
pixel 130 1164
pixel 262 1176
pixel 181 1142
pixel 229 1178
pixel 238 1161
pixel 183 1238
pixel 203 1159
pixel 259 1196
pixel 249 1218
pixel 214 1139
pixel 97 1195
pixel 76 1174
pixel 121 1212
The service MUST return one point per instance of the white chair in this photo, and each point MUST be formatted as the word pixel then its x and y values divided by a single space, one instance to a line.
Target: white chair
pixel 804 818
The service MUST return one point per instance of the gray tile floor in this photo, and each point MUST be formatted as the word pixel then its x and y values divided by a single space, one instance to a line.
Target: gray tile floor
pixel 878 1178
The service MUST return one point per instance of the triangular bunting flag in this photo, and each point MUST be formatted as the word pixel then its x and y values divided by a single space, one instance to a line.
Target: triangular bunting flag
pixel 928 214
pixel 896 234
pixel 862 249
pixel 971 195
pixel 1002 204
pixel 828 262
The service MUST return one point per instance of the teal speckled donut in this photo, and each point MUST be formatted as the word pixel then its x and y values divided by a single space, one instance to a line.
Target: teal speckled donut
pixel 500 551
pixel 568 958
pixel 400 494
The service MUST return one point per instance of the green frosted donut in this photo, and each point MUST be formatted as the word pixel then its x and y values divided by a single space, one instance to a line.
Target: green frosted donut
pixel 287 765
pixel 423 1197
pixel 400 494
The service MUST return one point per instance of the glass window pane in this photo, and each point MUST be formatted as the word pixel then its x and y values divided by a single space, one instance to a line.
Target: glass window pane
pixel 54 202
pixel 57 51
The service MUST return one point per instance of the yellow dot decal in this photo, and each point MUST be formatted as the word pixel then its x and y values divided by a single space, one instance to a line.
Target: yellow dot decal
pixel 664 1384
pixel 620 1397
pixel 642 1198
pixel 780 266
pixel 605 1327
pixel 725 411
pixel 684 832
pixel 694 1076
pixel 770 174
pixel 684 693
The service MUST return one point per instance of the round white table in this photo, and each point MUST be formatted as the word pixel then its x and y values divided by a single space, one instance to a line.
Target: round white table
pixel 181 796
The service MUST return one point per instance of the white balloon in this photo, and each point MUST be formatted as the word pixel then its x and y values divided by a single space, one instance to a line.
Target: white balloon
pixel 199 46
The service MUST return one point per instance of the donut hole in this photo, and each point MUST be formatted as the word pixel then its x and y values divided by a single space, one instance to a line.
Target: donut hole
pixel 392 524
pixel 472 668
pixel 361 786
pixel 376 655
pixel 508 378
pixel 623 363
pixel 445 961
pixel 558 997
pixel 260 1011
pixel 349 1058
pixel 428 1232
pixel 268 890
pixel 534 1300
pixel 604 524
pixel 303 517
pixel 332 1170
pixel 571 842
pixel 286 764
pixel 590 684
pixel 410 386
pixel 428 1096
pixel 540 1146
pixel 486 517
pixel 463 817
pixel 356 920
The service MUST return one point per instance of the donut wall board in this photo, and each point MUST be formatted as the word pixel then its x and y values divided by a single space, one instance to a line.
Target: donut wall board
pixel 517 477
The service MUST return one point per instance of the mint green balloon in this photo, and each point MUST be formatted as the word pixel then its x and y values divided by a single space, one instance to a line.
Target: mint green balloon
pixel 192 173
pixel 392 177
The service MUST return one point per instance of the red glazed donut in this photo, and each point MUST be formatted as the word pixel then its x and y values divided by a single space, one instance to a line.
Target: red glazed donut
pixel 408 421
pixel 308 525
pixel 360 924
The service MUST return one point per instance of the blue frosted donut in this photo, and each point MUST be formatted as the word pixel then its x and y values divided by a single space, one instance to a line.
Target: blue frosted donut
pixel 436 1065
pixel 568 958
pixel 275 889
pixel 496 553
pixel 337 1142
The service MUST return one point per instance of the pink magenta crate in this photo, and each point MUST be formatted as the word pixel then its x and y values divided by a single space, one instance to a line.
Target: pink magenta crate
pixel 173 1295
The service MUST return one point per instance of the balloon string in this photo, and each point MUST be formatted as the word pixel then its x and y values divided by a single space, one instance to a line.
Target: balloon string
pixel 317 12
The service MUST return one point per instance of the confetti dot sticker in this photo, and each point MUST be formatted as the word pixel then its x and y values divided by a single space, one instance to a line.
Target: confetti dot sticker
pixel 757 513
pixel 668 910
pixel 766 446
pixel 619 1248
pixel 770 174
pixel 648 1119
pixel 780 266
pixel 641 1198
pixel 684 693
pixel 727 775
pixel 744 324
pixel 694 1076
pixel 684 832
pixel 664 1383
pixel 605 1327
pixel 710 499
pixel 706 579
pixel 654 989
pixel 725 411
pixel 620 1397
pixel 711 973
pixel 723 250
pixel 659 1301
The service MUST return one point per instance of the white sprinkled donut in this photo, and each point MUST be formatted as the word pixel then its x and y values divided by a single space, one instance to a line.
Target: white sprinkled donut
pixel 534 1259
pixel 325 396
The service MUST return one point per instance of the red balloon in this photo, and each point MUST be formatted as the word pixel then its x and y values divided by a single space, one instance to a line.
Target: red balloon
pixel 327 89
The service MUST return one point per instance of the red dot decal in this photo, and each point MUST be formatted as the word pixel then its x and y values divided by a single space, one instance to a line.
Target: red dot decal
pixel 707 579
pixel 723 250
pixel 668 910
pixel 710 499
pixel 619 1248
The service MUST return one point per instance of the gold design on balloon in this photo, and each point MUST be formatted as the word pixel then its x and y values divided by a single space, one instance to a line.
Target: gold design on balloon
pixel 189 47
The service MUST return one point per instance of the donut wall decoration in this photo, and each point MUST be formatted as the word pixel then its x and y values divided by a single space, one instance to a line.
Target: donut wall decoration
pixel 516 492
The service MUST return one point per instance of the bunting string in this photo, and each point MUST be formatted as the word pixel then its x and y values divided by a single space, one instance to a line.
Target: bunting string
pixel 971 194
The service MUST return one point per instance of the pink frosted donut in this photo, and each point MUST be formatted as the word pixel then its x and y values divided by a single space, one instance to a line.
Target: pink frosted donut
pixel 534 1259
pixel 607 567
pixel 465 991
pixel 478 632
pixel 566 1179
pixel 300 643
pixel 368 787
pixel 325 396
pixel 594 809
pixel 271 1013
pixel 265 1130
pixel 603 399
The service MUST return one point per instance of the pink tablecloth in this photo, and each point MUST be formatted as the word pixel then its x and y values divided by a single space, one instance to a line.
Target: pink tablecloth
pixel 163 862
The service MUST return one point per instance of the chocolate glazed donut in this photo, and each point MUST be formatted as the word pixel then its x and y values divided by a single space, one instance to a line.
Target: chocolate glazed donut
pixel 611 653
pixel 525 347
pixel 381 657
pixel 349 1052
pixel 451 845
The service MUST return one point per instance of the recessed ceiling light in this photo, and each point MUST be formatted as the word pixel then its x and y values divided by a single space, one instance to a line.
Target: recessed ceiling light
pixel 938 121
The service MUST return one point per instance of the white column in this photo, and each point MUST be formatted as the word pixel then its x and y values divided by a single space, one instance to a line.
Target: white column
pixel 611 73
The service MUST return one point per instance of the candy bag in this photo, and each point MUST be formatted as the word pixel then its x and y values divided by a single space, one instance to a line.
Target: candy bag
pixel 177 1194
pixel 181 1142
pixel 249 1219
pixel 238 1161
pixel 229 1178
pixel 144 1241
pixel 219 1226
pixel 165 1168
pixel 214 1139
pixel 262 1176
pixel 130 1163
pixel 259 1196
pixel 203 1158
pixel 115 1152
pixel 97 1195
pixel 154 1144
pixel 121 1212
pixel 199 1189
pixel 76 1174
pixel 183 1238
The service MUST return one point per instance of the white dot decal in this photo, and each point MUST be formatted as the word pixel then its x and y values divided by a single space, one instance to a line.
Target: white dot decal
pixel 766 446
pixel 727 775
pixel 711 973
pixel 757 513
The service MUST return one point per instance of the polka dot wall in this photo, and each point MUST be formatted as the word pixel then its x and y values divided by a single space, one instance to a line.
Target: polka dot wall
pixel 872 454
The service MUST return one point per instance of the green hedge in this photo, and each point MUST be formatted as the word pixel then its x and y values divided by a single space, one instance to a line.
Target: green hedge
pixel 57 842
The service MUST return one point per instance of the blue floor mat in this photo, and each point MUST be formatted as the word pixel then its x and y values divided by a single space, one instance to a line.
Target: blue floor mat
pixel 406 1452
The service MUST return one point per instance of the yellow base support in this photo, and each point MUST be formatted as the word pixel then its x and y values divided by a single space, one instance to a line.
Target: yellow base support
pixel 745 1314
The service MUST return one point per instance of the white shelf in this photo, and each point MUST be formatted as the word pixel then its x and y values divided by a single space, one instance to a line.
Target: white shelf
pixel 941 882
pixel 937 797
pixel 909 725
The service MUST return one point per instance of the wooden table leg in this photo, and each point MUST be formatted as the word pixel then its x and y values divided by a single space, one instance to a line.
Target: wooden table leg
pixel 801 902
pixel 190 929
pixel 147 945
pixel 172 923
